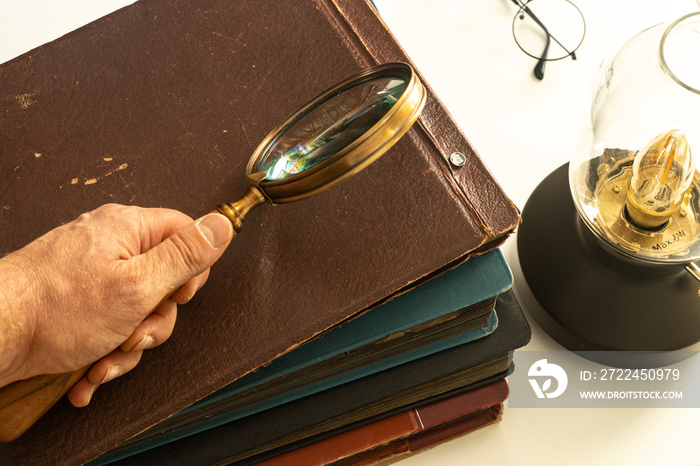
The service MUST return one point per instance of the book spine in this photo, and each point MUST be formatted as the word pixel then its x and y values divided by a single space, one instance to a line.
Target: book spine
pixel 393 453
pixel 350 443
pixel 438 421
pixel 449 409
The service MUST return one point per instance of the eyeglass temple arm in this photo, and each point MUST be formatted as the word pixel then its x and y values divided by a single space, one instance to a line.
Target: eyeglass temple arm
pixel 539 68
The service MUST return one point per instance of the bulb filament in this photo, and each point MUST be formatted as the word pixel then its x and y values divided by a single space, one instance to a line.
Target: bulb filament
pixel 661 175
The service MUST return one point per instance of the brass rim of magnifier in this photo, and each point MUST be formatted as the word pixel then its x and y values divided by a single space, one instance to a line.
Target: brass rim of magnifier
pixel 360 153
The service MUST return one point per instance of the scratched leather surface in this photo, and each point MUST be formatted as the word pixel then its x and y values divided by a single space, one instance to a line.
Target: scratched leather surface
pixel 161 104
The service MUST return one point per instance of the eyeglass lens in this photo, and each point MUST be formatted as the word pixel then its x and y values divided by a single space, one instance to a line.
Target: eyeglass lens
pixel 548 29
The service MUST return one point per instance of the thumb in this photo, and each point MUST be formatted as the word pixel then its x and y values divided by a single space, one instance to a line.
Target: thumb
pixel 186 253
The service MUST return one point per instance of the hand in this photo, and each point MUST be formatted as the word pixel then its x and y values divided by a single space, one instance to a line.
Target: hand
pixel 102 288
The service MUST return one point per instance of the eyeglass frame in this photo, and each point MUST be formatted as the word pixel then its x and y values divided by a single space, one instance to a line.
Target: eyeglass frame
pixel 543 59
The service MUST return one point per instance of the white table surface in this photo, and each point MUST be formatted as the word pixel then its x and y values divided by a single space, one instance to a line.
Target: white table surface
pixel 524 129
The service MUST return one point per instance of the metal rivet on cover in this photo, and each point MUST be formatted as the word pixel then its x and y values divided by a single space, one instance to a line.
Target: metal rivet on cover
pixel 458 159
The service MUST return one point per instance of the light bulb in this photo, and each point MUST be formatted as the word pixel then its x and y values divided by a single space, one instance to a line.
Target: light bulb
pixel 661 175
pixel 646 204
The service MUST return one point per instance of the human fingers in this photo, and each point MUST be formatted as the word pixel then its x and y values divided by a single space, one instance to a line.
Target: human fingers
pixel 113 365
pixel 186 292
pixel 157 224
pixel 184 255
pixel 154 330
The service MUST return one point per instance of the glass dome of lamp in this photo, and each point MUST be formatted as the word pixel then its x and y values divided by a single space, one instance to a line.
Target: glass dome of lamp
pixel 608 240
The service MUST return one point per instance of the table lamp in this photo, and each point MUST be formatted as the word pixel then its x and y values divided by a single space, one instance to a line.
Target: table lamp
pixel 608 241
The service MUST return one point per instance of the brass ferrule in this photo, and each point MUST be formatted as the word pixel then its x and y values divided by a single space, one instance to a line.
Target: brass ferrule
pixel 237 210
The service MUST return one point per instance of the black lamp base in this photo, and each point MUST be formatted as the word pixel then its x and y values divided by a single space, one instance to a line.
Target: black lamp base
pixel 594 300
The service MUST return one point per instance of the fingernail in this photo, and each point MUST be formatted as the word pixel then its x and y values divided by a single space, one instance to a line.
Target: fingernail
pixel 90 393
pixel 145 343
pixel 112 373
pixel 187 299
pixel 216 228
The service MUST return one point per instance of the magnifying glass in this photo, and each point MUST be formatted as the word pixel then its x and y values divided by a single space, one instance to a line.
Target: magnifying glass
pixel 328 140
pixel 331 138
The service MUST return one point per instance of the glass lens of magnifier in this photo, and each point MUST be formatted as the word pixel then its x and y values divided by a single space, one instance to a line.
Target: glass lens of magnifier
pixel 329 127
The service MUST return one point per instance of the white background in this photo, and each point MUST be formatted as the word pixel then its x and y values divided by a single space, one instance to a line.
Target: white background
pixel 524 129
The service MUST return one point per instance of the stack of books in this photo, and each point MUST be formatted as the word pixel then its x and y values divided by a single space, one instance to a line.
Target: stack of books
pixel 416 371
pixel 383 301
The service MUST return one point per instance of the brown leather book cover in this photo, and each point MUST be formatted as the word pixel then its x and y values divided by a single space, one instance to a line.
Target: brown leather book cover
pixel 161 104
pixel 402 429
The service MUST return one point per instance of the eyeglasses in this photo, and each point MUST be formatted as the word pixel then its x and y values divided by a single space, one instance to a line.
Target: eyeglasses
pixel 560 40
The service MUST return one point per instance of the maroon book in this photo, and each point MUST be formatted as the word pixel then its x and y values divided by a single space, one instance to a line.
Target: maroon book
pixel 404 433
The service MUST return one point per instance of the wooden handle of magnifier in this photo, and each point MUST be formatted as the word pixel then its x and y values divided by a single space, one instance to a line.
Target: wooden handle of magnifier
pixel 23 402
